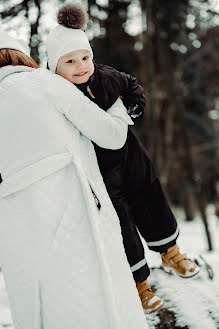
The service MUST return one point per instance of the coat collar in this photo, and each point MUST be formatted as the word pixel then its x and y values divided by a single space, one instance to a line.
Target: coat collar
pixel 90 82
pixel 10 69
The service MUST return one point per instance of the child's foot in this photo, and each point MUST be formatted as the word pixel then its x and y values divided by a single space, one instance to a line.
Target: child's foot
pixel 150 302
pixel 174 260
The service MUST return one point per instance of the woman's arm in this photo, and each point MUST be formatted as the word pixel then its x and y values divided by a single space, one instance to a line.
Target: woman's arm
pixel 107 129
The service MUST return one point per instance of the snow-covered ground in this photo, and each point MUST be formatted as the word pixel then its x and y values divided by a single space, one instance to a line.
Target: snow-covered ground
pixel 195 302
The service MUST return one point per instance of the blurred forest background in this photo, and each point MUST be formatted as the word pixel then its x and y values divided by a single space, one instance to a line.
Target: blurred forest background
pixel 172 48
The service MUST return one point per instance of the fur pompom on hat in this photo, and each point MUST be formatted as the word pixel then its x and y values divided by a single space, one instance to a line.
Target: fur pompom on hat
pixel 68 36
pixel 73 16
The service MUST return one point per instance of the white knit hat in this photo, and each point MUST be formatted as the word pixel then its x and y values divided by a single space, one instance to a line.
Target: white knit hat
pixel 62 40
pixel 69 35
pixel 6 41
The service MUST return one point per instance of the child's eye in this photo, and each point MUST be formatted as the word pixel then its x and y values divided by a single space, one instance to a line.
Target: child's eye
pixel 85 58
pixel 70 61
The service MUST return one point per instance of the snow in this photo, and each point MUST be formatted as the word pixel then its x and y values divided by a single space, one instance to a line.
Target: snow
pixel 153 300
pixel 194 301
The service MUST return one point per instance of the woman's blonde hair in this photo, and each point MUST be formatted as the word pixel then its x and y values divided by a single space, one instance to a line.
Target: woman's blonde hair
pixel 15 57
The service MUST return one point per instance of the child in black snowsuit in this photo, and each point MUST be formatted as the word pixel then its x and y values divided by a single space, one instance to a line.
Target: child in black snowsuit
pixel 128 173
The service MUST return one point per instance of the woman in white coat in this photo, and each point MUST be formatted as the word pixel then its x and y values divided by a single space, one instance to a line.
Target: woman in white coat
pixel 62 257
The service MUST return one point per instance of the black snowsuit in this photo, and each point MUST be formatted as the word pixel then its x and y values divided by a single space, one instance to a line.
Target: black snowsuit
pixel 129 175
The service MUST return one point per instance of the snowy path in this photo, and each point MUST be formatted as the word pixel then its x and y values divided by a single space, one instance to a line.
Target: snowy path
pixel 195 302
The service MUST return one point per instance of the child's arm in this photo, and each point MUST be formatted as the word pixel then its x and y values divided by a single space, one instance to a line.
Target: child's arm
pixel 132 95
pixel 106 129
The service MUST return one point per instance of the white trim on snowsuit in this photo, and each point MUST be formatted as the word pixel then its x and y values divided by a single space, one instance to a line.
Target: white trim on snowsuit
pixel 138 265
pixel 164 241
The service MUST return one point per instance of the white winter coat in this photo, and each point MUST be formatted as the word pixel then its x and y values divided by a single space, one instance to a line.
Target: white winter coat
pixel 63 259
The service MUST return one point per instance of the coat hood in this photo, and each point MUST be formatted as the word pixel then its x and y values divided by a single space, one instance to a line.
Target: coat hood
pixel 10 69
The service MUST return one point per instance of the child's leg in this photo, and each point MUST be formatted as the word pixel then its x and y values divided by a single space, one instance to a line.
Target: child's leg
pixel 136 258
pixel 151 212
pixel 158 227
pixel 154 218
pixel 132 243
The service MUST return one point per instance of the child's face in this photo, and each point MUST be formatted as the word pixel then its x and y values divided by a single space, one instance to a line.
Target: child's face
pixel 76 66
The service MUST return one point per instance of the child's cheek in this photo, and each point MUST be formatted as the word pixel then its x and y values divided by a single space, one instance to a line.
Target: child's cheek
pixel 92 71
pixel 66 74
pixel 91 67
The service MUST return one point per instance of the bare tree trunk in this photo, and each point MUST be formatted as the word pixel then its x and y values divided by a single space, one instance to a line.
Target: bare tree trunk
pixel 165 65
pixel 168 139
pixel 202 208
pixel 34 36
pixel 188 200
pixel 151 79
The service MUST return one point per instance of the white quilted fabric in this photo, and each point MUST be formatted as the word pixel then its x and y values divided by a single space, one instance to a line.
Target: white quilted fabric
pixel 63 260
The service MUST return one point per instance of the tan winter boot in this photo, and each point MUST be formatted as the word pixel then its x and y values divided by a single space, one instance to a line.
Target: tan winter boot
pixel 150 302
pixel 179 263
